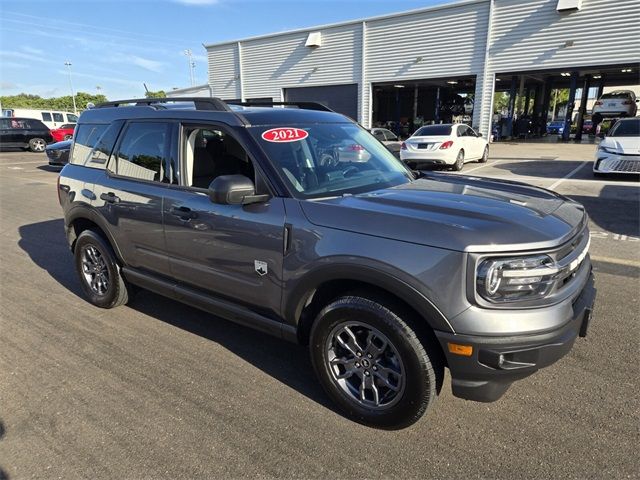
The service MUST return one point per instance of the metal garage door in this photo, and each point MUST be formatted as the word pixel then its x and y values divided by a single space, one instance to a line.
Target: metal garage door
pixel 341 98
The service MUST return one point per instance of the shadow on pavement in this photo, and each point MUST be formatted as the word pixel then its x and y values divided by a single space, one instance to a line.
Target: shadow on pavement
pixel 45 244
pixel 3 474
pixel 47 247
pixel 550 169
pixel 615 210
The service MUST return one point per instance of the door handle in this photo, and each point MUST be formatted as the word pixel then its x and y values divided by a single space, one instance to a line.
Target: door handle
pixel 110 197
pixel 185 213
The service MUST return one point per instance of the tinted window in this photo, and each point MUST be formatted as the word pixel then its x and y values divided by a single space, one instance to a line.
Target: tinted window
pixel 379 134
pixel 433 130
pixel 46 116
pixel 72 118
pixel 142 151
pixel 36 125
pixel 5 123
pixel 87 136
pixel 626 128
pixel 57 117
pixel 622 95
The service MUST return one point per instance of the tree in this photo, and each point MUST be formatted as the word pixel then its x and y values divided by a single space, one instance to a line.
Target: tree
pixel 25 100
pixel 156 94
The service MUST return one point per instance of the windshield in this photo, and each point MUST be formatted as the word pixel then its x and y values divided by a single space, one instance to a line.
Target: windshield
pixel 430 130
pixel 330 159
pixel 626 128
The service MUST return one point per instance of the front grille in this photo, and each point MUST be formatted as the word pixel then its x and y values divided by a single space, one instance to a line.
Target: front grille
pixel 624 166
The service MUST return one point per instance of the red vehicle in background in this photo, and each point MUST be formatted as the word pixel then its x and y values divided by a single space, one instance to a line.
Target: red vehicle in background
pixel 65 132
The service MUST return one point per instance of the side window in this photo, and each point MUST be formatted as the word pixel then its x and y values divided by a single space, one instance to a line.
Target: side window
pixel 210 153
pixel 87 136
pixel 57 117
pixel 462 131
pixel 143 151
pixel 390 136
pixel 72 118
pixel 379 134
pixel 37 125
pixel 5 123
pixel 46 116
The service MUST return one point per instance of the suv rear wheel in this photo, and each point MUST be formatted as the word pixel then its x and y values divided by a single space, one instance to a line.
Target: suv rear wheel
pixel 37 145
pixel 372 364
pixel 99 272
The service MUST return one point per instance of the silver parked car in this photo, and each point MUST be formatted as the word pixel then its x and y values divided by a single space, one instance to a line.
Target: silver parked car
pixel 389 140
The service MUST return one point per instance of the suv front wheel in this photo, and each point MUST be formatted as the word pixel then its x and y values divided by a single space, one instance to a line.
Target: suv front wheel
pixel 372 364
pixel 99 272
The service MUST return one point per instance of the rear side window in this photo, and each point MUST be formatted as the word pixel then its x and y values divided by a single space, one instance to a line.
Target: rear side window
pixel 143 151
pixel 72 118
pixel 36 125
pixel 57 117
pixel 46 116
pixel 87 136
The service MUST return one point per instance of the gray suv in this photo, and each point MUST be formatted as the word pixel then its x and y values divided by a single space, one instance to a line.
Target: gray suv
pixel 294 220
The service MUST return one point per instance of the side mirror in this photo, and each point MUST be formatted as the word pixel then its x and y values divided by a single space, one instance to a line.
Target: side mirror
pixel 234 190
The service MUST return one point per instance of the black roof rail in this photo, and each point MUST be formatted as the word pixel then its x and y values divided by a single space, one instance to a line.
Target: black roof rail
pixel 302 105
pixel 201 103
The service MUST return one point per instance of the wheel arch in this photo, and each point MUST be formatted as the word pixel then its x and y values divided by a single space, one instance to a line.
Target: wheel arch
pixel 318 288
pixel 83 218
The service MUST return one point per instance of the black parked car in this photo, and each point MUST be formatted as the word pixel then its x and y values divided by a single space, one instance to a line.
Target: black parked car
pixel 27 133
pixel 58 153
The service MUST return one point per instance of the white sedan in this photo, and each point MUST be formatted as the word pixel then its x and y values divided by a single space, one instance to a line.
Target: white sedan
pixel 619 151
pixel 446 144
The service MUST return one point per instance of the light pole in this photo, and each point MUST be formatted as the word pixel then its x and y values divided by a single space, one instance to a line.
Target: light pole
pixel 73 95
pixel 192 65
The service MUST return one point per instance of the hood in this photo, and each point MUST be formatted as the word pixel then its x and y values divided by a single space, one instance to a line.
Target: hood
pixel 456 212
pixel 64 145
pixel 629 145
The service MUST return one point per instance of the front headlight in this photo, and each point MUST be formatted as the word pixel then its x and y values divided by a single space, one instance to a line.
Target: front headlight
pixel 516 279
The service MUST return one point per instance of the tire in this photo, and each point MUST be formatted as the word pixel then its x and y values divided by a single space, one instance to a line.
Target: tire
pixel 67 137
pixel 459 161
pixel 485 155
pixel 379 343
pixel 99 272
pixel 37 145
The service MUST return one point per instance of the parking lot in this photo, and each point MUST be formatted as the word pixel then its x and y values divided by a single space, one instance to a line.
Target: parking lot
pixel 156 389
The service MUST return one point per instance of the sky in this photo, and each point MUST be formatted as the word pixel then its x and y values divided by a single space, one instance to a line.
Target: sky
pixel 115 46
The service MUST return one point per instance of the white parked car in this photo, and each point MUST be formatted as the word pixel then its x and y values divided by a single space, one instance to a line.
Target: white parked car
pixel 52 119
pixel 619 151
pixel 445 144
pixel 619 103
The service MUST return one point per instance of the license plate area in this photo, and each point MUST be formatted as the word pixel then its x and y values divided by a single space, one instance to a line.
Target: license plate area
pixel 424 146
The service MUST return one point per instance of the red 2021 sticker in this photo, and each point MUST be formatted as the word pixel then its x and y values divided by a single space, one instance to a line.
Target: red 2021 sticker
pixel 284 134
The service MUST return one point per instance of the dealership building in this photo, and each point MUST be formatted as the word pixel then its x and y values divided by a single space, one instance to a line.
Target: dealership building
pixel 431 64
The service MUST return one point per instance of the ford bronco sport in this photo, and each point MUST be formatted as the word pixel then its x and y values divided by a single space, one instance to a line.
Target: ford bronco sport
pixel 294 220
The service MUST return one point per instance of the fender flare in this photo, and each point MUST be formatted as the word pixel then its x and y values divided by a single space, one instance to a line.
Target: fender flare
pixel 394 283
pixel 84 211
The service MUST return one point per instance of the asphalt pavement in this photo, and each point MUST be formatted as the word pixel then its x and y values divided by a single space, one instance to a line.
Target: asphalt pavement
pixel 156 389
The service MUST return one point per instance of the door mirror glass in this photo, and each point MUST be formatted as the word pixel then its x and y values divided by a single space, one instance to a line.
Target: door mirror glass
pixel 234 190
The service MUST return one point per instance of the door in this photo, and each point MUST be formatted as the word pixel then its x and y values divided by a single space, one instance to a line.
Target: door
pixel 130 194
pixel 232 251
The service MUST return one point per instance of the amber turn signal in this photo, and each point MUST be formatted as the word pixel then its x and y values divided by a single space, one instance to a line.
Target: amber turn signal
pixel 457 349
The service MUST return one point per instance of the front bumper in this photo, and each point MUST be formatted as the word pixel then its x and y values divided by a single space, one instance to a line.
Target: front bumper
pixel 496 362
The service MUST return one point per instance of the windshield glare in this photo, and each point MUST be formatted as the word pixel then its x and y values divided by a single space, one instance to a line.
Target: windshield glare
pixel 334 159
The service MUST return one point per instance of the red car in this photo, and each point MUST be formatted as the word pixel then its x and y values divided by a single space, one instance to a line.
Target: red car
pixel 65 132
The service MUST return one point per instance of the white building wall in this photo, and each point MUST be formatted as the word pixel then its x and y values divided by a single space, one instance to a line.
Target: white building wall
pixel 438 42
pixel 532 35
pixel 224 71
